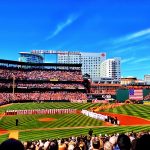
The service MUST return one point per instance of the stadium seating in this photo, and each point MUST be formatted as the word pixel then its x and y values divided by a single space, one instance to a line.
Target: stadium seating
pixel 123 141
pixel 21 82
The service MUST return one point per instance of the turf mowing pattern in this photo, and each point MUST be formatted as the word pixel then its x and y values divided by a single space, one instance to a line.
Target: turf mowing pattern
pixel 56 105
pixel 138 110
pixel 31 121
pixel 69 124
pixel 50 134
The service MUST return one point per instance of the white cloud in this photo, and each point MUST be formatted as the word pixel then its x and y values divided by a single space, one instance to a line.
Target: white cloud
pixel 132 42
pixel 136 69
pixel 138 34
pixel 132 48
pixel 122 50
pixel 141 60
pixel 127 60
pixel 134 37
pixel 63 25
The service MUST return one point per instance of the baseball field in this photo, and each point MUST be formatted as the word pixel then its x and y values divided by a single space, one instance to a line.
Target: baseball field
pixel 133 117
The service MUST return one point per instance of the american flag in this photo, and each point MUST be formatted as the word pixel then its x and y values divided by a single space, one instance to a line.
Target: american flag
pixel 136 94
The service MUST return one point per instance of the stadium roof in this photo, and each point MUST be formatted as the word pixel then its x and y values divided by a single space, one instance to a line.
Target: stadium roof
pixel 31 54
pixel 38 64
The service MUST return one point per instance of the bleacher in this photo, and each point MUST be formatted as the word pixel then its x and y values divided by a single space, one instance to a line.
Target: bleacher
pixel 21 82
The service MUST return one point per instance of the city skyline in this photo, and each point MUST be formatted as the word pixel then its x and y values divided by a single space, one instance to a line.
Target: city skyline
pixel 119 28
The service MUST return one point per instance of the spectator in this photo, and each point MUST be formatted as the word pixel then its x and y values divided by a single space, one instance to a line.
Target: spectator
pixel 96 144
pixel 113 140
pixel 62 145
pixel 123 142
pixel 108 146
pixel 90 132
pixel 143 143
pixel 11 144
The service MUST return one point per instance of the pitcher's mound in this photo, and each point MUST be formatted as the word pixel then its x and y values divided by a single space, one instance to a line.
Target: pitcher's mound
pixel 46 119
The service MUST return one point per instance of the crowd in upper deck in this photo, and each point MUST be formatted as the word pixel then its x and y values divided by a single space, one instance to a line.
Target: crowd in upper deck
pixel 43 85
pixel 57 75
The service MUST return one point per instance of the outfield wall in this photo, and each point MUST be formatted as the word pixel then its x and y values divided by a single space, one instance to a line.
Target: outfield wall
pixel 123 94
pixel 146 92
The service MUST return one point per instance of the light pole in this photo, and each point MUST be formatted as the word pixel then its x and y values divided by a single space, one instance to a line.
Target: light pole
pixel 13 85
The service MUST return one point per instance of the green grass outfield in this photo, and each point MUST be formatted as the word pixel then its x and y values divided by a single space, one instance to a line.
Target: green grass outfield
pixel 67 124
pixel 56 105
pixel 138 110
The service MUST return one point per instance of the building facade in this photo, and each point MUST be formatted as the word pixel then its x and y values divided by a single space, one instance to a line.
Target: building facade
pixel 128 80
pixel 110 68
pixel 90 62
pixel 29 57
pixel 147 79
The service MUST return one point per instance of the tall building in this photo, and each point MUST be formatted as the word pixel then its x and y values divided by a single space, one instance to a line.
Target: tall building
pixel 110 68
pixel 90 61
pixel 29 57
pixel 147 78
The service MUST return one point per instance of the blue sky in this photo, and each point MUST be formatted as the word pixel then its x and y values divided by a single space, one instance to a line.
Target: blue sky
pixel 119 28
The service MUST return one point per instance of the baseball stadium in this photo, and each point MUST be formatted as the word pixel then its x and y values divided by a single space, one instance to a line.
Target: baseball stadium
pixel 42 103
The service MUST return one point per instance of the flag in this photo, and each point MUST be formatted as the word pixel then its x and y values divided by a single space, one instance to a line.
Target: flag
pixel 136 94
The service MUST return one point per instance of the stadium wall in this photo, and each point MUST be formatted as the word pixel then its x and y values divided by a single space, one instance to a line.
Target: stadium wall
pixel 123 94
pixel 146 92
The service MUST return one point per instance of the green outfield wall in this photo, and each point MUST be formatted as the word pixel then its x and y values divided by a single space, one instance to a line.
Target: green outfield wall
pixel 123 94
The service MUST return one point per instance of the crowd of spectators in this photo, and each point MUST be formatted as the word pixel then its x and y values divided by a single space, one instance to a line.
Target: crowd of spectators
pixel 122 141
pixel 43 96
pixel 40 79
pixel 57 75
pixel 104 91
pixel 147 97
pixel 43 85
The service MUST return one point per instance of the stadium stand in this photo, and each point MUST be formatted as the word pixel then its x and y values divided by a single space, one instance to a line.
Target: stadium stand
pixel 147 97
pixel 123 141
pixel 21 82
